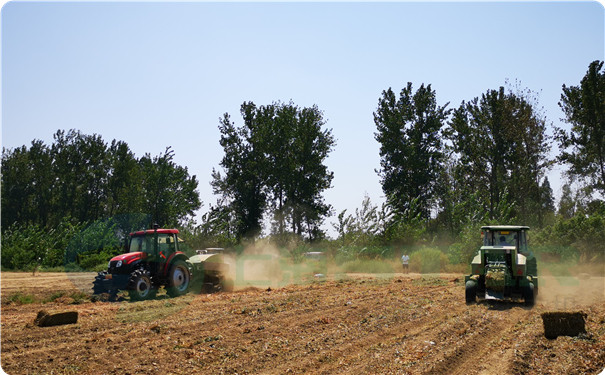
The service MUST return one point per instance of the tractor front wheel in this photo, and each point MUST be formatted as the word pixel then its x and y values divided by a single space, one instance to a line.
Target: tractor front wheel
pixel 97 285
pixel 140 286
pixel 179 279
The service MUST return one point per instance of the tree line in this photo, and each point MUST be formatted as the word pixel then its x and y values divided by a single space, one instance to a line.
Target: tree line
pixel 444 171
pixel 82 178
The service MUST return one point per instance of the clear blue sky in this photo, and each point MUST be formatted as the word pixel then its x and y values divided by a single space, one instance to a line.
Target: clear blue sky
pixel 161 74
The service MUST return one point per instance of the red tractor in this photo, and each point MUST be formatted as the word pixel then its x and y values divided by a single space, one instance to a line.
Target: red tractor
pixel 155 260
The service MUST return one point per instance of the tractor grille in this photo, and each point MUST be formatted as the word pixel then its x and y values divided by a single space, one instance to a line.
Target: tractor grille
pixel 117 270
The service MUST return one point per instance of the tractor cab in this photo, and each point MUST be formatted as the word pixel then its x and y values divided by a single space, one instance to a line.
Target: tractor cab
pixel 506 235
pixel 156 245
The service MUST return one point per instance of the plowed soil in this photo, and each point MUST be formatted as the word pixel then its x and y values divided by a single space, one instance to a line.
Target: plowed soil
pixel 348 324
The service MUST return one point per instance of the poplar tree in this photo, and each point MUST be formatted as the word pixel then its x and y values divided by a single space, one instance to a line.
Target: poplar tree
pixel 583 147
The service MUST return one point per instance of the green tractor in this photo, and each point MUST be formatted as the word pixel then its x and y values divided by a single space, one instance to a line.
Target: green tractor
pixel 504 267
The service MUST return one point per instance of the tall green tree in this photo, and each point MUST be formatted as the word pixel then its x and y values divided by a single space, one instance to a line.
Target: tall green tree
pixel 308 176
pixel 17 187
pixel 242 184
pixel 583 147
pixel 411 149
pixel 567 203
pixel 274 164
pixel 169 193
pixel 501 149
pixel 124 188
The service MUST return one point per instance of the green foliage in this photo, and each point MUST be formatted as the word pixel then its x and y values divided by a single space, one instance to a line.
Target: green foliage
pixel 406 227
pixel 428 260
pixel 169 194
pixel 469 242
pixel 217 229
pixel 83 178
pixel 365 227
pixel 402 233
pixel 25 247
pixel 580 237
pixel 583 148
pixel 21 298
pixel 94 245
pixel 501 148
pixel 68 247
pixel 352 252
pixel 411 150
pixel 275 163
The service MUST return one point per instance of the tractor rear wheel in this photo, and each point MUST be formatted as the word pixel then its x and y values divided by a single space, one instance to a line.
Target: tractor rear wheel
pixel 178 279
pixel 140 286
pixel 470 291
pixel 529 295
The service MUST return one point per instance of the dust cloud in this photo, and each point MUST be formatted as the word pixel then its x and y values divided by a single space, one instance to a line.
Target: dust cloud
pixel 261 265
pixel 570 289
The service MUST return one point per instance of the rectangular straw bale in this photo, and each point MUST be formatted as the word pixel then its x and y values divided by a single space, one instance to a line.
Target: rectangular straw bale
pixel 45 319
pixel 562 323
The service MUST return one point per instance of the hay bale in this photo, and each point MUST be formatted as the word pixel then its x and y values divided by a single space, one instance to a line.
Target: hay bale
pixel 563 323
pixel 45 319
pixel 495 279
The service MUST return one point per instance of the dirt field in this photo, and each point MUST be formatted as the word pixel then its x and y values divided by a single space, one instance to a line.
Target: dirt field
pixel 350 324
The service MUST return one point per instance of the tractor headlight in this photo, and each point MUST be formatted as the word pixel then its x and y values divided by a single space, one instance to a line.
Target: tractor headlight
pixel 119 264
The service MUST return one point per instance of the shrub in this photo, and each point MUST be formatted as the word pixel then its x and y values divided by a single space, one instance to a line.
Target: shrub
pixel 579 238
pixel 462 251
pixel 26 246
pixel 99 238
pixel 428 260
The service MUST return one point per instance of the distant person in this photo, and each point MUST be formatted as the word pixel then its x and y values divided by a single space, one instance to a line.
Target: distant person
pixel 405 262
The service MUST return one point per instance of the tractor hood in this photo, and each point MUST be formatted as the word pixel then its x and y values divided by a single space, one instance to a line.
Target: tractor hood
pixel 129 257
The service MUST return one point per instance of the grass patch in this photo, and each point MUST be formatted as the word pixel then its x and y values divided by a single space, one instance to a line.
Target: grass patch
pixel 21 298
pixel 56 295
pixel 79 297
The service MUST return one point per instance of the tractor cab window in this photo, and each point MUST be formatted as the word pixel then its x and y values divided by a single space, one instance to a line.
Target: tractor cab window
pixel 500 238
pixel 141 243
pixel 523 242
pixel 166 244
